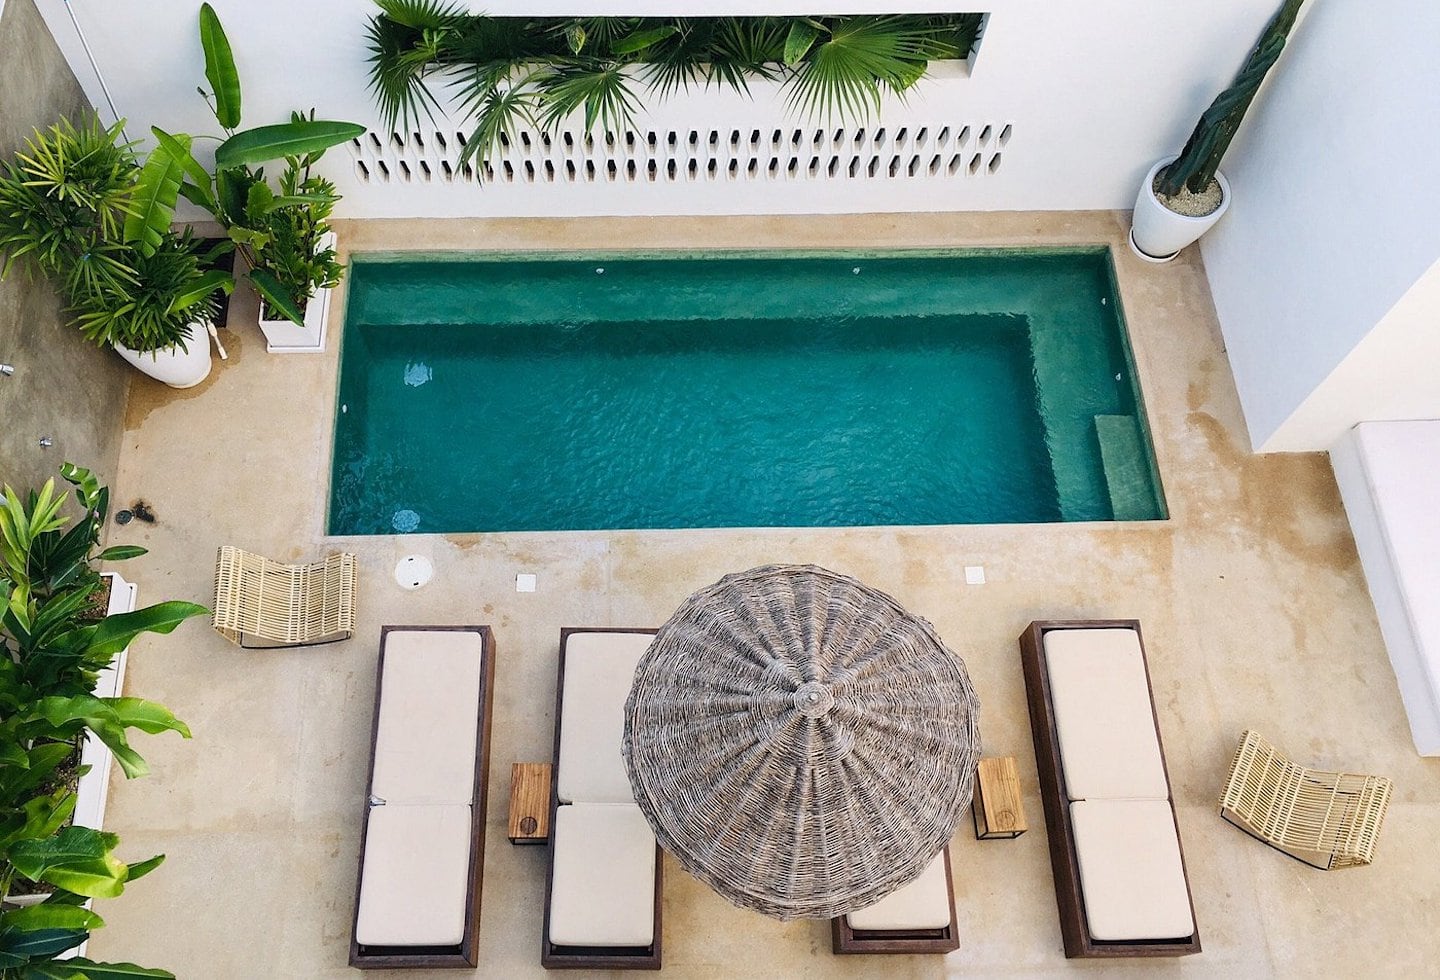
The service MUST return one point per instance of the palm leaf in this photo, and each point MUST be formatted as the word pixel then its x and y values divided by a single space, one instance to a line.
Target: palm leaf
pixel 498 113
pixel 842 75
pixel 599 87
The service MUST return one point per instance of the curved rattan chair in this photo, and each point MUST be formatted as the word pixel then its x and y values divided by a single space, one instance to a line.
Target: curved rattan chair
pixel 262 603
pixel 1325 819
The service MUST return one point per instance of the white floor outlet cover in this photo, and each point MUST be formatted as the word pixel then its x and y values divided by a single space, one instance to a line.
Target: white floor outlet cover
pixel 413 571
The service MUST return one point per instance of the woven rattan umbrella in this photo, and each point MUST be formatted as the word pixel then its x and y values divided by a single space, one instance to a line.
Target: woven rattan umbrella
pixel 800 742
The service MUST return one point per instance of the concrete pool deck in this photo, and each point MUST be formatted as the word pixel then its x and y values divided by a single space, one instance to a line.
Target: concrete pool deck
pixel 1251 597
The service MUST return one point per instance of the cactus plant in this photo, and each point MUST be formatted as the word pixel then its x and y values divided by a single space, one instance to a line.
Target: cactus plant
pixel 1195 168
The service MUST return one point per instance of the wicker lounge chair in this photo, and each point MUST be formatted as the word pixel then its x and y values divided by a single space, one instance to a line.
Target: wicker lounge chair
pixel 261 603
pixel 917 918
pixel 1120 880
pixel 1325 819
pixel 422 842
pixel 602 892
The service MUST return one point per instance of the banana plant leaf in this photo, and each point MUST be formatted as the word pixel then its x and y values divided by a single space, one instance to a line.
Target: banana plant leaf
pixel 205 284
pixel 47 916
pixel 79 968
pixel 76 859
pixel 292 139
pixel 220 69
pixel 114 633
pixel 153 203
pixel 276 296
pixel 17 947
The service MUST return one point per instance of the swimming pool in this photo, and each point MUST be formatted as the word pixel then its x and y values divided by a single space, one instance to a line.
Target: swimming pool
pixel 550 392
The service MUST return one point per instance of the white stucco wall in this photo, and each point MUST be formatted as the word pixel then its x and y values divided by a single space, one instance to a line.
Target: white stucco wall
pixel 1095 92
pixel 1337 187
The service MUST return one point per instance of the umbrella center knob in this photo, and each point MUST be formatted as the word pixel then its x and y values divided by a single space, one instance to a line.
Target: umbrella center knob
pixel 813 699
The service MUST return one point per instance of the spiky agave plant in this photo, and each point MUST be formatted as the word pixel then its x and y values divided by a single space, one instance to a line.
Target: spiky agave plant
pixel 507 72
pixel 1195 168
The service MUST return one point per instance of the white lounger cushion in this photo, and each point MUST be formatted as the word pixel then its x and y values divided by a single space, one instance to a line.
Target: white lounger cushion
pixel 429 717
pixel 603 887
pixel 599 669
pixel 922 904
pixel 417 866
pixel 1131 877
pixel 1103 715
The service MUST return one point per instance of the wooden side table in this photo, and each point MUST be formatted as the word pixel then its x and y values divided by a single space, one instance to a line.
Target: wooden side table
pixel 529 803
pixel 999 814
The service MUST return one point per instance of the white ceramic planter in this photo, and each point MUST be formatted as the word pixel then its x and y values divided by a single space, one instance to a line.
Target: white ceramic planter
pixel 1157 234
pixel 287 337
pixel 176 366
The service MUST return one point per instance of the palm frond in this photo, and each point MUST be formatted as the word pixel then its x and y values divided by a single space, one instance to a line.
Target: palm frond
pixel 499 112
pixel 599 87
pixel 745 47
pixel 400 58
pixel 842 75
pixel 422 14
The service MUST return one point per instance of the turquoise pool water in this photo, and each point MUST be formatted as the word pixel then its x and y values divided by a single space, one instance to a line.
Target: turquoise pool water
pixel 543 392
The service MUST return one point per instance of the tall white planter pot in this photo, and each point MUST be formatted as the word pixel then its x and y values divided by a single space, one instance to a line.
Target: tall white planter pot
pixel 176 366
pixel 285 336
pixel 1157 234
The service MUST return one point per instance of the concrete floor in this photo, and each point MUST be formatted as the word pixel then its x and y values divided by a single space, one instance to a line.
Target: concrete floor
pixel 1252 599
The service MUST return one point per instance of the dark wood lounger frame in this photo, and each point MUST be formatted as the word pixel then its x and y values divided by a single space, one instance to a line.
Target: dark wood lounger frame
pixel 1073 924
pixel 844 939
pixel 467 954
pixel 553 957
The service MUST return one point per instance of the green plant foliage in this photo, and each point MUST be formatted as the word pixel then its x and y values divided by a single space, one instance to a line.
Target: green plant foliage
pixel 76 208
pixel 1195 168
pixel 52 646
pixel 63 202
pixel 509 71
pixel 220 69
pixel 277 234
pixel 173 294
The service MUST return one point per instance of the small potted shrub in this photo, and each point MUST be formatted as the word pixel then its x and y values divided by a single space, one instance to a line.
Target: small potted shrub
pixel 71 210
pixel 1183 197
pixel 281 235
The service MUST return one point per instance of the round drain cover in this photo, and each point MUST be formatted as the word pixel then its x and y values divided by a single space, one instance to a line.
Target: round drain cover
pixel 413 571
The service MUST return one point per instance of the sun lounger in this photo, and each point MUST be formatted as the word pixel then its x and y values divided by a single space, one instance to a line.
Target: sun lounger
pixel 1120 878
pixel 422 844
pixel 918 918
pixel 602 893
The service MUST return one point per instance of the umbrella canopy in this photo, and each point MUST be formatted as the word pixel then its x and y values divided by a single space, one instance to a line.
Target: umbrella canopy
pixel 799 742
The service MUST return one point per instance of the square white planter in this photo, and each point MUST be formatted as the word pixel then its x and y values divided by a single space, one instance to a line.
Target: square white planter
pixel 284 336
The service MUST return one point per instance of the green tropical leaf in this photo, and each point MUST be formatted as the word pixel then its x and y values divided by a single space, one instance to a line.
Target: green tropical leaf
pixel 77 859
pixel 276 296
pixel 800 39
pixel 80 968
pixel 16 946
pixel 140 869
pixel 206 285
pixel 264 143
pixel 641 40
pixel 114 633
pixel 220 69
pixel 121 552
pixel 46 916
pixel 153 204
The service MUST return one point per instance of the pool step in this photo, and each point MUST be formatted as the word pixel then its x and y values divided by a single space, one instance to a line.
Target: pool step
pixel 1127 478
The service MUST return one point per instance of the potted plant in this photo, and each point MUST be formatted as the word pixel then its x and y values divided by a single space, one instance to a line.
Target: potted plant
pixel 160 322
pixel 54 647
pixel 1183 197
pixel 73 207
pixel 538 71
pixel 282 236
